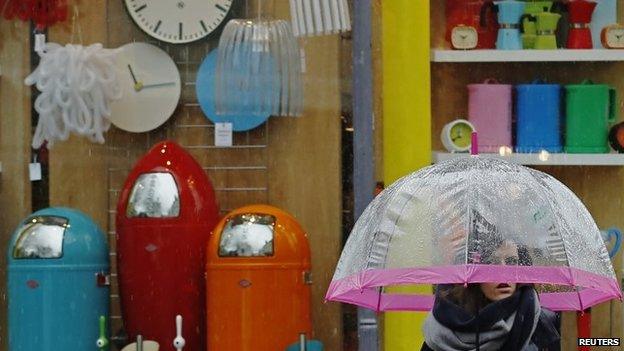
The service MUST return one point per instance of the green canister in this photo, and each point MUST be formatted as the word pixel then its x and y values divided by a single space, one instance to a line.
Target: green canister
pixel 590 108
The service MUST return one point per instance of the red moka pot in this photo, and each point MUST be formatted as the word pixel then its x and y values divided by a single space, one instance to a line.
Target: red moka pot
pixel 580 16
pixel 165 214
pixel 469 13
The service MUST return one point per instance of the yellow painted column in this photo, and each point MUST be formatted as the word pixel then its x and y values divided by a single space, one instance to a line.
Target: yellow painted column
pixel 406 127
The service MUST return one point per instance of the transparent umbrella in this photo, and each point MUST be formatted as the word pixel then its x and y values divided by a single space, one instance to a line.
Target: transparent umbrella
pixel 443 224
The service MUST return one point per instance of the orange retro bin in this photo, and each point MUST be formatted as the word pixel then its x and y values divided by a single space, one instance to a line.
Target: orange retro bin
pixel 258 276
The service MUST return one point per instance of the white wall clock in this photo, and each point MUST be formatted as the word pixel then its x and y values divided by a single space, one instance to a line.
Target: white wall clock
pixel 178 21
pixel 150 81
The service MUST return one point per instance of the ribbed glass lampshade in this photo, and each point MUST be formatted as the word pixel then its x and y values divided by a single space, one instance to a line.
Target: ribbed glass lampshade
pixel 258 69
pixel 319 17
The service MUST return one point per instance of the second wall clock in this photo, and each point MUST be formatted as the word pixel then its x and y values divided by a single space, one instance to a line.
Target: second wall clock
pixel 178 21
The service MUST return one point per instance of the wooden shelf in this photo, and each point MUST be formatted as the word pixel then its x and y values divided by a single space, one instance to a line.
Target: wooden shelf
pixel 545 159
pixel 562 55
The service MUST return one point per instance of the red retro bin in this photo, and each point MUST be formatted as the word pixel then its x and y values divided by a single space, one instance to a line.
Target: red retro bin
pixel 165 214
pixel 258 276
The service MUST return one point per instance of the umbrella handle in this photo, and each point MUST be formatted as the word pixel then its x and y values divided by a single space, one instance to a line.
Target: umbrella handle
pixel 583 326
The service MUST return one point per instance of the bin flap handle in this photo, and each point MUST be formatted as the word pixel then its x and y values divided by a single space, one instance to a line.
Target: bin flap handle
pixel 102 341
pixel 307 278
pixel 179 341
pixel 302 342
pixel 102 279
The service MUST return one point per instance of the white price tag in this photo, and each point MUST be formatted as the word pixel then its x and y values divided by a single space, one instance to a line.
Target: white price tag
pixel 40 41
pixel 34 170
pixel 223 134
pixel 302 55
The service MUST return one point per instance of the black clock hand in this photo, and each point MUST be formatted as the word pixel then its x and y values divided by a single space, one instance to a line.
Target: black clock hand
pixel 137 85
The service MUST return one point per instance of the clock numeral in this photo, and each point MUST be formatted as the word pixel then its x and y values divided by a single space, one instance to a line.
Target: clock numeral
pixel 203 25
pixel 180 34
pixel 140 8
pixel 221 8
pixel 157 26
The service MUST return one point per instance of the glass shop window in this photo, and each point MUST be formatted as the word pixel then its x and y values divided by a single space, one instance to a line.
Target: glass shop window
pixel 248 235
pixel 41 237
pixel 154 195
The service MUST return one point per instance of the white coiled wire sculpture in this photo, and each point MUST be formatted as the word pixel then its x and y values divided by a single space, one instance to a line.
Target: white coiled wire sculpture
pixel 77 85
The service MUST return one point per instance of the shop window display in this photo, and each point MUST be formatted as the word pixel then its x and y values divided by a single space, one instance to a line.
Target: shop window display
pixel 212 159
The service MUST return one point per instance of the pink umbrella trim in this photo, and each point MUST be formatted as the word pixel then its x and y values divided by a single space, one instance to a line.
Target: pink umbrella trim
pixel 363 288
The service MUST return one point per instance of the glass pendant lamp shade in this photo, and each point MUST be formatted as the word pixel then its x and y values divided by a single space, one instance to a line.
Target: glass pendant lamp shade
pixel 258 69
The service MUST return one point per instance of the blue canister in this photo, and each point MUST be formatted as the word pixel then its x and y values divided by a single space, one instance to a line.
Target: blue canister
pixel 58 265
pixel 538 116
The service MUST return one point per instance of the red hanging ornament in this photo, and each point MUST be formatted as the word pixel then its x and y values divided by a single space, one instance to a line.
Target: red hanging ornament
pixel 43 13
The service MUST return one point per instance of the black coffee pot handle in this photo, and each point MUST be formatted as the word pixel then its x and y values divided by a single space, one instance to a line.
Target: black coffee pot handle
pixel 526 16
pixel 559 7
pixel 482 15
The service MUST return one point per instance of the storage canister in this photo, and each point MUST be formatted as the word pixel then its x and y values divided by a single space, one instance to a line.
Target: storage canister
pixel 590 108
pixel 538 116
pixel 489 110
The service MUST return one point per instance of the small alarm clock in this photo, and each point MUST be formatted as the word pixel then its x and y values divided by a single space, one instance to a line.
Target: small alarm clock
pixel 616 137
pixel 456 136
pixel 612 36
pixel 464 37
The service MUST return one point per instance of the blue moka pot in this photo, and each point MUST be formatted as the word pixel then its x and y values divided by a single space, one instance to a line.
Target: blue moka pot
pixel 509 18
pixel 538 116
pixel 58 286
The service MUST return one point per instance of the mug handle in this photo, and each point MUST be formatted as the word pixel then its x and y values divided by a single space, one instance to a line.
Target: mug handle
pixel 612 105
pixel 614 232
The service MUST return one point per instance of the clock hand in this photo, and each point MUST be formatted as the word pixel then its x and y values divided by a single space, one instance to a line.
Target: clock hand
pixel 157 85
pixel 137 85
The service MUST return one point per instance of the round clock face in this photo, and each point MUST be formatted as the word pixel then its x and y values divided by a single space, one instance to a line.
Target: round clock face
pixel 151 88
pixel 178 21
pixel 615 37
pixel 464 37
pixel 457 135
pixel 461 134
pixel 205 88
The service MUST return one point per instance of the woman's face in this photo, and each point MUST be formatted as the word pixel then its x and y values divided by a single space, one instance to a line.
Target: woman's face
pixel 507 254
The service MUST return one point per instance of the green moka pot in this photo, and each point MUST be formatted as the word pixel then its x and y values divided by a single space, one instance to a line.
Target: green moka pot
pixel 590 108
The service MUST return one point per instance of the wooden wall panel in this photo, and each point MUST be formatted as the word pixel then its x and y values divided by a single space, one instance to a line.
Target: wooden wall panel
pixel 304 177
pixel 600 188
pixel 78 174
pixel 15 126
pixel 304 173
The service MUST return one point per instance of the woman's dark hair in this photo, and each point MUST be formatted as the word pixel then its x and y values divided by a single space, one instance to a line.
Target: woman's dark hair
pixel 470 297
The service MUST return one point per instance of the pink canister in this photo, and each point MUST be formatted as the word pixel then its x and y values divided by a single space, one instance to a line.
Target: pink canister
pixel 489 110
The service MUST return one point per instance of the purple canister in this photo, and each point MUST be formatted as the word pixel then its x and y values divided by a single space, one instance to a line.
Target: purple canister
pixel 489 110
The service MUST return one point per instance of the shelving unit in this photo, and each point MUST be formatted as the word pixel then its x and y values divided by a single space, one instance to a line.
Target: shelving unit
pixel 596 55
pixel 544 159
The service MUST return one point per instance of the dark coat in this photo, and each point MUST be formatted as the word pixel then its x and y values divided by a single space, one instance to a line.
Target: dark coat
pixel 547 336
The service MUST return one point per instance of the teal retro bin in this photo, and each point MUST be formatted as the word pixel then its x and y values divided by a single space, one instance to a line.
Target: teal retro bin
pixel 58 286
